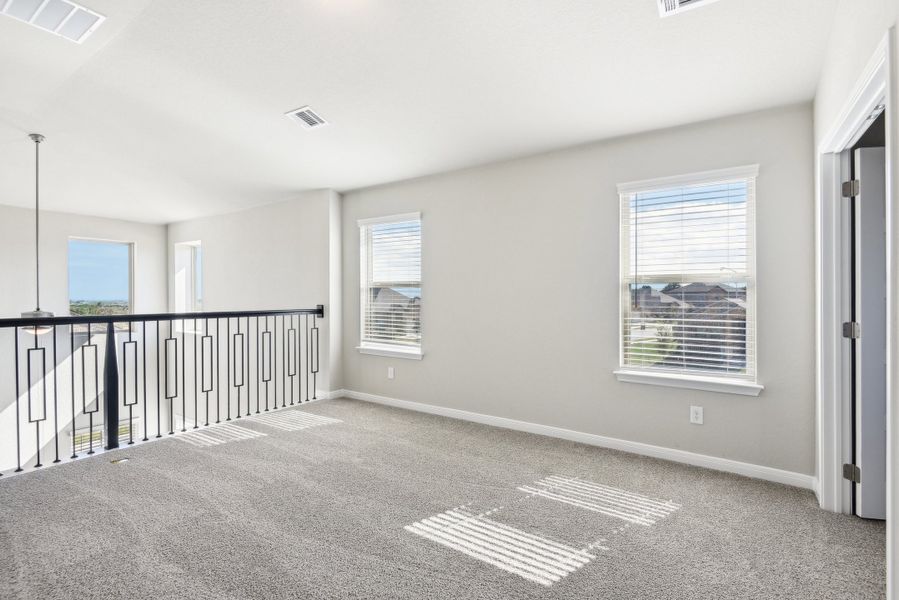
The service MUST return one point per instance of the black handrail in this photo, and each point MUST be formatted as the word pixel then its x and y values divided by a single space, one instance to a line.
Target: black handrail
pixel 318 311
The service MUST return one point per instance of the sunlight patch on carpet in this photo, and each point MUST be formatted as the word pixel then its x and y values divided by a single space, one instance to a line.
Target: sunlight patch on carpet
pixel 292 420
pixel 611 501
pixel 221 433
pixel 532 557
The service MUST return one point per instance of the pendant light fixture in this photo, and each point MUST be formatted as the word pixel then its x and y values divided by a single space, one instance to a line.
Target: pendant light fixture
pixel 37 313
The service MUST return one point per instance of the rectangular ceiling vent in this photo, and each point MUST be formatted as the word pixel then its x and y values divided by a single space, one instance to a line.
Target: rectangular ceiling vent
pixel 307 117
pixel 673 7
pixel 59 17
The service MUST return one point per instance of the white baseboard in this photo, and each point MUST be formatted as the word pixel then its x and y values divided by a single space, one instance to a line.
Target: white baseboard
pixel 800 480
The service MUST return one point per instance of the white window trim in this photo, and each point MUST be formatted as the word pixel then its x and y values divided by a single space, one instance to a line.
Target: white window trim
pixel 724 385
pixel 387 350
pixel 391 350
pixel 727 385
pixel 702 177
pixel 412 216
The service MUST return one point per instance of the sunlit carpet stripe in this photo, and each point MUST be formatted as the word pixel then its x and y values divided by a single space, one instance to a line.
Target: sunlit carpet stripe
pixel 221 433
pixel 526 555
pixel 292 420
pixel 614 502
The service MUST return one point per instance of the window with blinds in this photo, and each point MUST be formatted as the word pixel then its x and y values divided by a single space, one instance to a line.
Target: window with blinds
pixel 391 282
pixel 688 274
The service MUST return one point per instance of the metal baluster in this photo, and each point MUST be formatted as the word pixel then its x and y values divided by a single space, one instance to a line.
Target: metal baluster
pixel 218 376
pixel 291 371
pixel 144 334
pixel 55 401
pixel 283 365
pixel 247 364
pixel 18 438
pixel 228 364
pixel 183 376
pixel 72 360
pixel 158 383
pixel 264 368
pixel 196 379
pixel 238 336
pixel 206 392
pixel 300 381
pixel 90 414
pixel 171 398
pixel 257 364
pixel 299 359
pixel 37 422
pixel 314 346
pixel 125 382
pixel 307 356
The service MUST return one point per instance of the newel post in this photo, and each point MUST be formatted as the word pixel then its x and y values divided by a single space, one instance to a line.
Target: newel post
pixel 111 390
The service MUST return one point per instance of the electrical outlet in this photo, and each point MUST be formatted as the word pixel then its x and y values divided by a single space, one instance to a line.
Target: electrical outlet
pixel 390 373
pixel 696 415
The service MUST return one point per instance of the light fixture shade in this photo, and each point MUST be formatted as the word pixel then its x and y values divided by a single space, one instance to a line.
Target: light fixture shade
pixel 37 314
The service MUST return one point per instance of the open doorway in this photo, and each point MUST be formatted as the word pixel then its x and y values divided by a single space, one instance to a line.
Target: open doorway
pixel 863 251
pixel 843 268
pixel 188 283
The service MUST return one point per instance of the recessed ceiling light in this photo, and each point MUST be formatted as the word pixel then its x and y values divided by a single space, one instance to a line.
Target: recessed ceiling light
pixel 306 117
pixel 61 17
pixel 673 7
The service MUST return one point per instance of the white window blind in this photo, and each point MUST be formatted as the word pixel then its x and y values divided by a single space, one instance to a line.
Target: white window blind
pixel 688 274
pixel 391 281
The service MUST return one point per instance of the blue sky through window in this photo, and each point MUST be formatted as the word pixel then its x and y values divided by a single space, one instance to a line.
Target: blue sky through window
pixel 99 271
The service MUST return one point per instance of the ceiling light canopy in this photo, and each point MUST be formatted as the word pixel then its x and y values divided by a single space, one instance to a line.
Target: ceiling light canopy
pixel 60 17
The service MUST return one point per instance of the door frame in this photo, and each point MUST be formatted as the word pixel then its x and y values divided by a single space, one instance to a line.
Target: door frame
pixel 876 85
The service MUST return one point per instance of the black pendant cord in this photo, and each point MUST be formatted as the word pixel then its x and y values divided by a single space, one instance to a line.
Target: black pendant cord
pixel 37 139
pixel 37 223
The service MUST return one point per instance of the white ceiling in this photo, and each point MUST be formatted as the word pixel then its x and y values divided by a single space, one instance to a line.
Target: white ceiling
pixel 174 109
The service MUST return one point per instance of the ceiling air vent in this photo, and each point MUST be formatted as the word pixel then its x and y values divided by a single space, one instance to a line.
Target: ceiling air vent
pixel 673 7
pixel 307 118
pixel 60 17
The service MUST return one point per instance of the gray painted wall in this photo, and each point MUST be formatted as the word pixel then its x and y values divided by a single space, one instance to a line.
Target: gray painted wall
pixel 520 291
pixel 272 257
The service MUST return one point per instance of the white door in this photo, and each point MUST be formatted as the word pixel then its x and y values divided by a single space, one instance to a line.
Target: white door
pixel 870 347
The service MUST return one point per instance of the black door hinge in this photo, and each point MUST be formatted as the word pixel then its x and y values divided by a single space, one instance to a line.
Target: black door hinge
pixel 852 330
pixel 853 473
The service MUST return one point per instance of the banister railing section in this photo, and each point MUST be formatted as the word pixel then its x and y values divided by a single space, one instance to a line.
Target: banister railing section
pixel 76 384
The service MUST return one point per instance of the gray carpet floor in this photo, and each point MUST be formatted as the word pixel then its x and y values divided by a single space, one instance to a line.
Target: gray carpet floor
pixel 377 502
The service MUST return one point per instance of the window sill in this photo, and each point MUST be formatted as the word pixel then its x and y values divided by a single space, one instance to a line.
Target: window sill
pixel 391 351
pixel 694 382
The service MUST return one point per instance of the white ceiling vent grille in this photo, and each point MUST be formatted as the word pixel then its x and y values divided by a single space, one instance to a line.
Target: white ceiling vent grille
pixel 307 117
pixel 60 17
pixel 673 7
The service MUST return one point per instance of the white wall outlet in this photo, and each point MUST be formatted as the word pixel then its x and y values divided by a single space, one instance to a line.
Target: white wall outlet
pixel 696 415
pixel 390 373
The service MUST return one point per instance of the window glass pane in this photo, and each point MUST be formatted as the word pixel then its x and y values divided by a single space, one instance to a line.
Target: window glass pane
pixel 391 279
pixel 693 327
pixel 695 229
pixel 99 278
pixel 688 288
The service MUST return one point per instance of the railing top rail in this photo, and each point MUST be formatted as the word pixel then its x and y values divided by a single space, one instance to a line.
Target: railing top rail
pixel 318 311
